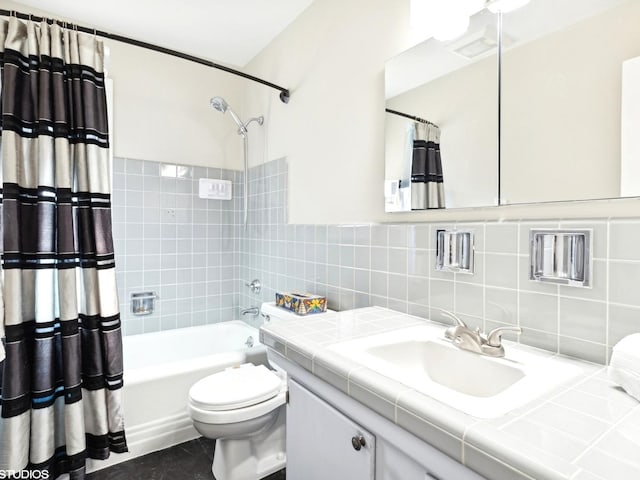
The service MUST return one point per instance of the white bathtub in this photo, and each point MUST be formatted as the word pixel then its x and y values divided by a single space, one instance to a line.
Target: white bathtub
pixel 159 369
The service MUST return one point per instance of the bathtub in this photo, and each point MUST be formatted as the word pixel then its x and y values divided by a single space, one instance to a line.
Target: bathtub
pixel 159 369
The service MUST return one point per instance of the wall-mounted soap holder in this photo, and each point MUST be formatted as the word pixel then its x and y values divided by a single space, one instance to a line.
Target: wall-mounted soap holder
pixel 454 251
pixel 143 303
pixel 560 256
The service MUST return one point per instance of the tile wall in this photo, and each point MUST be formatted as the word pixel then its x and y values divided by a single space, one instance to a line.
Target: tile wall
pixel 392 266
pixel 169 241
pixel 197 256
pixel 267 210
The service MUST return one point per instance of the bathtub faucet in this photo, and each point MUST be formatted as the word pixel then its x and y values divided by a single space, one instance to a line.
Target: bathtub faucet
pixel 250 311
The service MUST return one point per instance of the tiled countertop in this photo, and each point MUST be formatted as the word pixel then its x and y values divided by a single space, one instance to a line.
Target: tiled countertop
pixel 587 429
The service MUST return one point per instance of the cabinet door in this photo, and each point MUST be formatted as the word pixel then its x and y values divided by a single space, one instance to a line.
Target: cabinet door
pixel 322 443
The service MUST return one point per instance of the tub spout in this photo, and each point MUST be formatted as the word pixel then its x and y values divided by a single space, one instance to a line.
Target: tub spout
pixel 250 311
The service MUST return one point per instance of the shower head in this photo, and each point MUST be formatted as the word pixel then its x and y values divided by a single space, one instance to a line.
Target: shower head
pixel 222 106
pixel 219 104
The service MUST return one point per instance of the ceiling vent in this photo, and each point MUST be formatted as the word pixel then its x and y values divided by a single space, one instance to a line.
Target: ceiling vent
pixel 479 43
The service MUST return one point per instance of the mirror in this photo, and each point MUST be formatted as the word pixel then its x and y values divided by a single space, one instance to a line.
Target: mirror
pixel 453 86
pixel 570 101
pixel 569 105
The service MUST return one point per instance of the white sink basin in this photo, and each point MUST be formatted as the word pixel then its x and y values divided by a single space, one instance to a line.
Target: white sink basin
pixel 464 372
pixel 485 387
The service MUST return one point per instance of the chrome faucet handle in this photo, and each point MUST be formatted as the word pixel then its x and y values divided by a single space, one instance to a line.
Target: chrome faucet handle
pixel 254 285
pixel 454 317
pixel 494 337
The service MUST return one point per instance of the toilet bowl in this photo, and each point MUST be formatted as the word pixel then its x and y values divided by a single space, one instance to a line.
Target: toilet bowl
pixel 243 409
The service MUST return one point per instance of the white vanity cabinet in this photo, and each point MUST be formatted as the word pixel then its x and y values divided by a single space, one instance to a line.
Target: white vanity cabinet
pixel 324 444
pixel 324 424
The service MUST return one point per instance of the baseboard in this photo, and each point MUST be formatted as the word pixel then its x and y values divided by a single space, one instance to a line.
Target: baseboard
pixel 150 437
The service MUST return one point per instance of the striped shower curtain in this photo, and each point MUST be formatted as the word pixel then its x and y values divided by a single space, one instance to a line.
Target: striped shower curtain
pixel 427 185
pixel 61 378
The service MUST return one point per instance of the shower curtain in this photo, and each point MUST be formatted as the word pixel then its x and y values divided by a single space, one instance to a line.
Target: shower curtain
pixel 60 383
pixel 427 187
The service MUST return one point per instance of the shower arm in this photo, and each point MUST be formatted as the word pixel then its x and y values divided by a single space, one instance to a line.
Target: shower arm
pixel 259 120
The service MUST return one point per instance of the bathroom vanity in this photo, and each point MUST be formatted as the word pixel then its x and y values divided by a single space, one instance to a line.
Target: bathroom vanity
pixel 330 435
pixel 348 417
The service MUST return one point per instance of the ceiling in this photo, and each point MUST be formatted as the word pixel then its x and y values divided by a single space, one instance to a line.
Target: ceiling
pixel 224 31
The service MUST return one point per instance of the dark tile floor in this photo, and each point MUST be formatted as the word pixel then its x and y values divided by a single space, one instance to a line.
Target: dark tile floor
pixel 190 460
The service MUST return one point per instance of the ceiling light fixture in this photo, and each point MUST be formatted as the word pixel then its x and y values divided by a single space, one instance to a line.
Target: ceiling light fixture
pixel 451 25
pixel 505 6
pixel 443 19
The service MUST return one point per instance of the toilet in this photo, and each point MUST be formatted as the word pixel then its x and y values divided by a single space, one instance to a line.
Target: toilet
pixel 243 408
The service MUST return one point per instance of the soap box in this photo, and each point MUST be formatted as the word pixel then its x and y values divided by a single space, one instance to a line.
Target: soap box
pixel 301 303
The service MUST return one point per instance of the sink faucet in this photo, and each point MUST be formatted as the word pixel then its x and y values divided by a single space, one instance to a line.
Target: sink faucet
pixel 250 311
pixel 474 341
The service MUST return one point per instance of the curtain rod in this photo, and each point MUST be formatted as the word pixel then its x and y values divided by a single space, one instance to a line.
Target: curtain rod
pixel 417 119
pixel 284 92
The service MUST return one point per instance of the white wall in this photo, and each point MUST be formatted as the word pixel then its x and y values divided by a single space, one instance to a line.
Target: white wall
pixel 630 142
pixel 162 111
pixel 332 131
pixel 161 106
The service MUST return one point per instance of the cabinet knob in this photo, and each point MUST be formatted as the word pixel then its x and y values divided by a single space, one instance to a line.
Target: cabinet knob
pixel 358 442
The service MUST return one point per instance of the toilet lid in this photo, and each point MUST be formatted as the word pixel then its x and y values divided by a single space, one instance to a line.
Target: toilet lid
pixel 235 387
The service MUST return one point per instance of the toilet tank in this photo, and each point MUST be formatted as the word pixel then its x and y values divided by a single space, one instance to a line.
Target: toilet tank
pixel 270 313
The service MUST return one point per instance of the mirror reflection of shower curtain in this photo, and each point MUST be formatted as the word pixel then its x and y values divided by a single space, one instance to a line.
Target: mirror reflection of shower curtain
pixel 427 187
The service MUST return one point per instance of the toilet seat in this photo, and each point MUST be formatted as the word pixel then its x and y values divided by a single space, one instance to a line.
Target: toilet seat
pixel 236 394
pixel 235 387
pixel 222 417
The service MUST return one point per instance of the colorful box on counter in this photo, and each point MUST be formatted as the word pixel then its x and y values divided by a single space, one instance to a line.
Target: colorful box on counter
pixel 301 303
